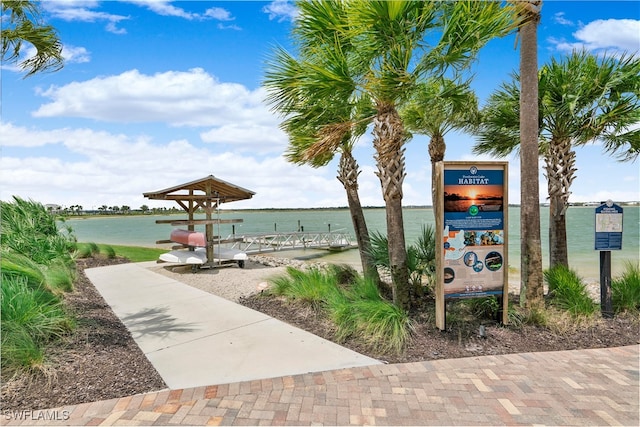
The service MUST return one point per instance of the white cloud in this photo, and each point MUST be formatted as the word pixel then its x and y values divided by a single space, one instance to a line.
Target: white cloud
pixel 560 19
pixel 75 54
pixel 164 8
pixel 262 139
pixel 281 10
pixel 92 168
pixel 82 11
pixel 218 13
pixel 609 34
pixel 191 98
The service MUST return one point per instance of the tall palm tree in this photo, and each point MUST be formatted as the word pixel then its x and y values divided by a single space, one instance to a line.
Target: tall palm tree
pixel 437 107
pixel 583 99
pixel 319 123
pixel 377 51
pixel 23 25
pixel 531 285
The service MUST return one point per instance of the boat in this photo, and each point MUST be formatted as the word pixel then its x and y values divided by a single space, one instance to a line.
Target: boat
pixel 199 256
pixel 188 238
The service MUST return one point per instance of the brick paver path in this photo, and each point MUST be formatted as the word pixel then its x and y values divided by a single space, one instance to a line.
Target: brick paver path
pixel 586 387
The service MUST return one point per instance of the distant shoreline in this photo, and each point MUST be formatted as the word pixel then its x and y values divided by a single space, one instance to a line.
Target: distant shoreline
pixel 177 211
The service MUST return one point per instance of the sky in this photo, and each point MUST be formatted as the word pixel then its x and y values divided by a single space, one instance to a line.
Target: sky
pixel 158 93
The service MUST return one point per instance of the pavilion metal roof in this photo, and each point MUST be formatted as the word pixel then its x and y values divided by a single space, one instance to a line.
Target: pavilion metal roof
pixel 207 188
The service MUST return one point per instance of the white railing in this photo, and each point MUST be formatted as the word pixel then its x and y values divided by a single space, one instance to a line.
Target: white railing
pixel 277 241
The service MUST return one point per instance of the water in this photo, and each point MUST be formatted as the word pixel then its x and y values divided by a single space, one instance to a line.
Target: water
pixel 142 230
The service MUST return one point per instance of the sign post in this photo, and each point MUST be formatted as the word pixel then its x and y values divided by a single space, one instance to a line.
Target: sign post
pixel 471 229
pixel 608 237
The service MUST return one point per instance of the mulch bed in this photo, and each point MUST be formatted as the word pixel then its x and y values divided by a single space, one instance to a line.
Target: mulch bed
pixel 462 339
pixel 100 360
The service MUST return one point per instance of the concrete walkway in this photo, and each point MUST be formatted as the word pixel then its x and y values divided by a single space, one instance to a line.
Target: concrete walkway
pixel 194 338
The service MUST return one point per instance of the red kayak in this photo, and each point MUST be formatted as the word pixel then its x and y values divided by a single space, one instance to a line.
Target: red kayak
pixel 189 238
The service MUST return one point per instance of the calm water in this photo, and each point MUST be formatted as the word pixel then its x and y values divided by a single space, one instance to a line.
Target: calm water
pixel 143 231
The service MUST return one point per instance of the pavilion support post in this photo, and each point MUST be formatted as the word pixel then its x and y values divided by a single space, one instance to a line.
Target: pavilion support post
pixel 209 227
pixel 191 227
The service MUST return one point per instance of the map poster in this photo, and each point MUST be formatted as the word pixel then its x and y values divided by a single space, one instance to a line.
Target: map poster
pixel 608 227
pixel 474 207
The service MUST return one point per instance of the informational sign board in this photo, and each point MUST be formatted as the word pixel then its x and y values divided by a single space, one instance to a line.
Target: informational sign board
pixel 608 227
pixel 472 226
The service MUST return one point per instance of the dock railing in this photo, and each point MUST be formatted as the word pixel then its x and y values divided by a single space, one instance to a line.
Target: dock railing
pixel 277 241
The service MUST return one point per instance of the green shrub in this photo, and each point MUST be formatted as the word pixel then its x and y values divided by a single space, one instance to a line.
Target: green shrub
pixel 13 264
pixel 378 323
pixel 486 308
pixel 312 286
pixel 37 266
pixel 59 278
pixel 352 302
pixel 625 290
pixel 86 250
pixel 111 253
pixel 30 317
pixel 568 292
pixel 421 256
pixel 28 229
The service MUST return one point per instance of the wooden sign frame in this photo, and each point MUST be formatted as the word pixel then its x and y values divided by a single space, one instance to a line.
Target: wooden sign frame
pixel 471 208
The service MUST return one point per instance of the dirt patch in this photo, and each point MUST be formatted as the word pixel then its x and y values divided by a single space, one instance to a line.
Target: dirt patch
pixel 99 360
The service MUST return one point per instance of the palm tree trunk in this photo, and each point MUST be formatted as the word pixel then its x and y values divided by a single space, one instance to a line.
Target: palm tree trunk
pixel 388 139
pixel 531 285
pixel 560 171
pixel 348 172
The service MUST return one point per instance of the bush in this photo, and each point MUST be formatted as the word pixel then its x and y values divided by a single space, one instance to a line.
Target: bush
pixel 352 302
pixel 37 266
pixel 313 286
pixel 625 290
pixel 30 318
pixel 28 229
pixel 568 292
pixel 421 256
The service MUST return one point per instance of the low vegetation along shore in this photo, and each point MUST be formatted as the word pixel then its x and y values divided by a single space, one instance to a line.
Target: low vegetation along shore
pixel 62 344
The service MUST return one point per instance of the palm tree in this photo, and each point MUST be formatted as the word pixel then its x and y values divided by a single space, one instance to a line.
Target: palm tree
pixel 531 287
pixel 319 124
pixel 24 25
pixel 386 47
pixel 436 108
pixel 583 99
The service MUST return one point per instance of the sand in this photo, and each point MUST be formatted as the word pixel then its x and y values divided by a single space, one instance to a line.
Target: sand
pixel 230 281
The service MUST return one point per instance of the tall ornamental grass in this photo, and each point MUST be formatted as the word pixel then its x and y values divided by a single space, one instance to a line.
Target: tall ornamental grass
pixel 31 318
pixel 568 292
pixel 36 267
pixel 625 290
pixel 28 229
pixel 354 305
pixel 360 312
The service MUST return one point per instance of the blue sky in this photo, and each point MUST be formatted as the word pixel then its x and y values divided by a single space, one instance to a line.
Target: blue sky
pixel 157 93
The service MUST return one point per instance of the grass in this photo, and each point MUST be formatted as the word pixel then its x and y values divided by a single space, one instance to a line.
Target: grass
pixel 31 317
pixel 354 305
pixel 132 253
pixel 37 268
pixel 625 290
pixel 568 292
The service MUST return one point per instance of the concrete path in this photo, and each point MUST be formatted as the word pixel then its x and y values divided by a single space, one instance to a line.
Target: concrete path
pixel 194 338
pixel 567 388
